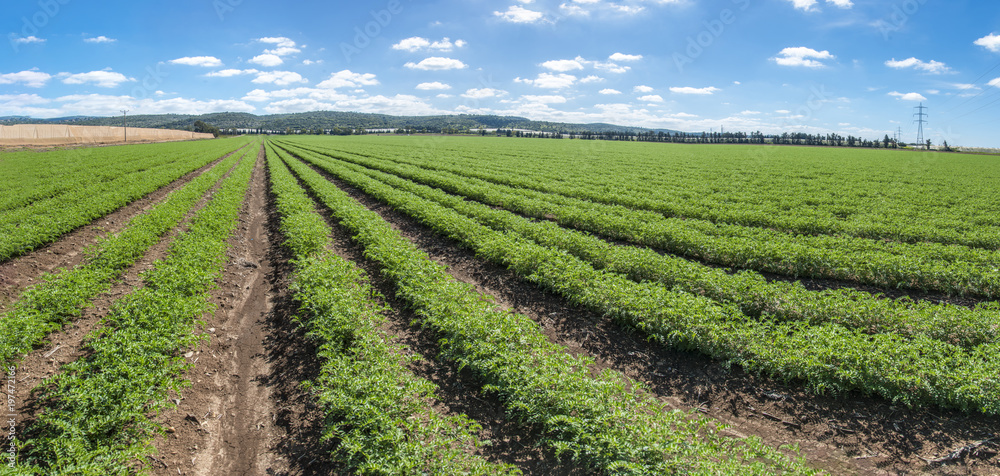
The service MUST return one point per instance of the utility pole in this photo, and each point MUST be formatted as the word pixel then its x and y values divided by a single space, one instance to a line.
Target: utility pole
pixel 920 115
pixel 125 123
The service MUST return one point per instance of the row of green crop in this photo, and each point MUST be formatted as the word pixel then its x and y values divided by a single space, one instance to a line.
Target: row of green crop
pixel 603 421
pixel 44 221
pixel 61 296
pixel 873 194
pixel 380 414
pixel 949 269
pixel 826 356
pixel 39 176
pixel 754 294
pixel 97 414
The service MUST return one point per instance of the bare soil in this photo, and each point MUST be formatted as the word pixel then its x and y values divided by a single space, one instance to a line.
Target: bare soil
pixel 848 434
pixel 245 412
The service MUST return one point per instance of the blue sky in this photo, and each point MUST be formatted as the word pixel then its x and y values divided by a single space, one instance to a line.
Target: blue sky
pixel 854 67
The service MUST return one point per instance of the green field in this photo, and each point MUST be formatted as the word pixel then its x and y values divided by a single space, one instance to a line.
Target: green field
pixel 842 273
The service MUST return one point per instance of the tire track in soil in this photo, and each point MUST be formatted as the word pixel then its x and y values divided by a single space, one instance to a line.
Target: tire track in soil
pixel 19 273
pixel 458 390
pixel 66 345
pixel 853 434
pixel 245 412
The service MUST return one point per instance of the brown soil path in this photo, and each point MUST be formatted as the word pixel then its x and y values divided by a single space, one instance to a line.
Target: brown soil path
pixel 245 412
pixel 852 434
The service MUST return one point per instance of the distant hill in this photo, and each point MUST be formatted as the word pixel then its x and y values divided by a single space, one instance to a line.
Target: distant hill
pixel 334 120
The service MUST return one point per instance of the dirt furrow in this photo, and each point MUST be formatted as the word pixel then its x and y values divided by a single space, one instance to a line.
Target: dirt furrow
pixel 850 434
pixel 245 412
pixel 19 273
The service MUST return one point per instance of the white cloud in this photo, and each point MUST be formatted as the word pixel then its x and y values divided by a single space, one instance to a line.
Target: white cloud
pixel 697 91
pixel 279 78
pixel 609 91
pixel 99 39
pixel 519 14
pixel 31 79
pixel 552 99
pixel 27 40
pixel 309 62
pixel 933 67
pixel 203 61
pixel 550 81
pixel 799 56
pixel 437 63
pixel 965 87
pixel 994 82
pixel 267 60
pixel 642 89
pixel 484 93
pixel 908 96
pixel 435 86
pixel 105 105
pixel 417 43
pixel 283 46
pixel 573 10
pixel 348 79
pixel 591 79
pixel 990 42
pixel 808 5
pixel 279 41
pixel 782 111
pixel 562 66
pixel 104 79
pixel 20 100
pixel 624 57
pixel 651 98
pixel 228 73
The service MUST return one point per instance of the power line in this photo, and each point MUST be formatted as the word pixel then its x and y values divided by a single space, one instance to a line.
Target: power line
pixel 920 122
pixel 125 123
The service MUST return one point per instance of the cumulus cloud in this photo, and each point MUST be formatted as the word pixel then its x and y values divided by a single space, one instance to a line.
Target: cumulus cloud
pixel 483 93
pixel 802 56
pixel 31 79
pixel 550 99
pixel 550 81
pixel 267 60
pixel 642 89
pixel 203 61
pixel 99 39
pixel 417 43
pixel 519 14
pixel 279 78
pixel 26 40
pixel 809 5
pixel 651 98
pixel 990 42
pixel 348 79
pixel 697 91
pixel 562 66
pixel 609 91
pixel 592 79
pixel 932 67
pixel 908 96
pixel 227 73
pixel 437 63
pixel 435 86
pixel 104 79
pixel 624 57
